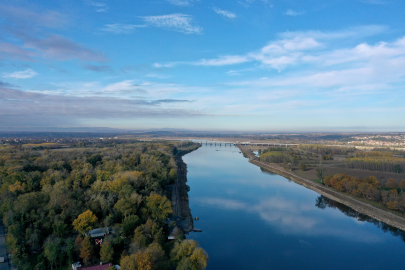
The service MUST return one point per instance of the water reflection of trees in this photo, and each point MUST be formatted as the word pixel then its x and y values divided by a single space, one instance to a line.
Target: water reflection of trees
pixel 266 171
pixel 323 202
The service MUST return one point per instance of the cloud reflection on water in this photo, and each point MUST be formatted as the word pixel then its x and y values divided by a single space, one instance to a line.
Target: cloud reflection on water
pixel 291 218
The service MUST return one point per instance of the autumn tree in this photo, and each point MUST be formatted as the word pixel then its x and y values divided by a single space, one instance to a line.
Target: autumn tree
pixel 402 184
pixel 391 184
pixel 145 261
pixel 84 222
pixel 189 255
pixel 303 167
pixel 159 207
pixel 128 262
pixel 86 250
pixel 106 252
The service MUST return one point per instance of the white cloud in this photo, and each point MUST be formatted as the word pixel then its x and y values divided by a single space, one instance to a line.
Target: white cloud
pixel 25 74
pixel 157 65
pixel 127 85
pixel 224 13
pixel 222 61
pixel 181 2
pixel 100 7
pixel 118 28
pixel 291 12
pixel 177 22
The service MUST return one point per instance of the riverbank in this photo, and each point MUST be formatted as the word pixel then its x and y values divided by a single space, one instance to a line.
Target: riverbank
pixel 179 193
pixel 361 207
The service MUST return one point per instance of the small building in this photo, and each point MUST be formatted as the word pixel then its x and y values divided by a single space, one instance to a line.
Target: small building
pixel 99 232
pixel 78 266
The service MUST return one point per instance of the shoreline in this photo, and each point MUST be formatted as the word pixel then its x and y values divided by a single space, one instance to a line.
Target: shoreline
pixel 359 206
pixel 179 194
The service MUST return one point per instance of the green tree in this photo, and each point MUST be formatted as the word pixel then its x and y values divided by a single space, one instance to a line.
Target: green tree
pixel 86 250
pixel 106 252
pixel 51 250
pixel 159 207
pixel 60 228
pixel 70 250
pixel 303 167
pixel 125 206
pixel 84 222
pixel 129 224
pixel 321 173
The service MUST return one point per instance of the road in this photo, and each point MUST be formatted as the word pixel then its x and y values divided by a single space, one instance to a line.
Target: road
pixel 3 251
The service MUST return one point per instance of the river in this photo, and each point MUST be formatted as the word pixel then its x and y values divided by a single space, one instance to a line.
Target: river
pixel 258 220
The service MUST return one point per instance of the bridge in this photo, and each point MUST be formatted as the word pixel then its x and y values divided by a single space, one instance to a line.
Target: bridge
pixel 268 144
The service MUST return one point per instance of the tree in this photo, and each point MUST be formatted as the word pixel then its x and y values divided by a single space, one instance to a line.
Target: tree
pixel 145 260
pixel 51 250
pixel 84 222
pixel 303 167
pixel 189 255
pixel 78 244
pixel 70 250
pixel 391 184
pixel 60 228
pixel 128 262
pixel 321 173
pixel 86 251
pixel 106 252
pixel 125 206
pixel 129 225
pixel 402 184
pixel 159 207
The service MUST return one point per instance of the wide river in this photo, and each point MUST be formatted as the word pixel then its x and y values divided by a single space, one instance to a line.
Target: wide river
pixel 258 220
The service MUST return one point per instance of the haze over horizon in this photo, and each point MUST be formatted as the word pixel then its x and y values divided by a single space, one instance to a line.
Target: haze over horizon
pixel 248 65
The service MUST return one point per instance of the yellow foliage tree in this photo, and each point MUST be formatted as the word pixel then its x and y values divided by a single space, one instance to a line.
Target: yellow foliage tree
pixel 84 222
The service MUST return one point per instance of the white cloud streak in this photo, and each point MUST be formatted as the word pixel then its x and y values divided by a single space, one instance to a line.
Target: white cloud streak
pixel 118 28
pixel 181 2
pixel 291 12
pixel 177 22
pixel 25 74
pixel 224 13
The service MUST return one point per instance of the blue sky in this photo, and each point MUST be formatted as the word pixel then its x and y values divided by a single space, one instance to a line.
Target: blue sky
pixel 248 65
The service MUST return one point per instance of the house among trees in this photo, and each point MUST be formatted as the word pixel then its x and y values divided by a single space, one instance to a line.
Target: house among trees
pixel 78 266
pixel 99 232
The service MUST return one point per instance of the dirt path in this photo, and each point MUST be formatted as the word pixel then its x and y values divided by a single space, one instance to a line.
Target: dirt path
pixel 361 207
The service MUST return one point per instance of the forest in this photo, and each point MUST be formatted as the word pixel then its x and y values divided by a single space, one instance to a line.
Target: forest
pixel 377 161
pixel 391 195
pixel 50 199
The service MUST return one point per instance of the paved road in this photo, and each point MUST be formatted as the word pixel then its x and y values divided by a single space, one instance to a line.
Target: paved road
pixel 3 252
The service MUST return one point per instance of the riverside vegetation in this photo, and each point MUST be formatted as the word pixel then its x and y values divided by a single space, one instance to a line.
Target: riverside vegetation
pixel 389 195
pixel 51 198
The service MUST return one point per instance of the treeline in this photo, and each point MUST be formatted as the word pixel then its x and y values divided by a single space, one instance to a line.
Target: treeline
pixel 377 161
pixel 327 150
pixel 275 157
pixel 391 196
pixel 277 148
pixel 49 200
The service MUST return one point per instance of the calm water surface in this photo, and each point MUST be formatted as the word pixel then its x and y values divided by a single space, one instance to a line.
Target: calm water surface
pixel 258 220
